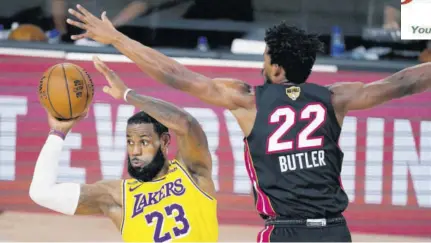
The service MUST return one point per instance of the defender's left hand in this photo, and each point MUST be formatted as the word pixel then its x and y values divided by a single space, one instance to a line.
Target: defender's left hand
pixel 116 86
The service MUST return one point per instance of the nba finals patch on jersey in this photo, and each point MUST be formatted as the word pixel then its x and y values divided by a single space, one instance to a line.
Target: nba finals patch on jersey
pixel 415 20
pixel 293 92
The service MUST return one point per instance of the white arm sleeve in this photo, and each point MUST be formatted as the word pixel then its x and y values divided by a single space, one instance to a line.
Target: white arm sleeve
pixel 44 190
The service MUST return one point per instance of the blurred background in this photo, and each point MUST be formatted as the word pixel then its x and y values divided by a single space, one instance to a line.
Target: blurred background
pixel 353 29
pixel 387 164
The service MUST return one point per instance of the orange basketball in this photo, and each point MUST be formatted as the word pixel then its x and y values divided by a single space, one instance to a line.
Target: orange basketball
pixel 66 90
pixel 28 32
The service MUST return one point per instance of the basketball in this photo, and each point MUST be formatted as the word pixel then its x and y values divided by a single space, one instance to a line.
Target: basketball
pixel 28 32
pixel 66 91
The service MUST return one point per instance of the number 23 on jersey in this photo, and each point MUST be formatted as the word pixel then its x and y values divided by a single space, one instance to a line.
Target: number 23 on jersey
pixel 314 112
pixel 173 214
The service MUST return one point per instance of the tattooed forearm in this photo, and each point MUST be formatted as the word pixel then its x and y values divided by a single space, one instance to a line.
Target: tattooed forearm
pixel 168 114
pixel 157 65
pixel 170 79
pixel 413 80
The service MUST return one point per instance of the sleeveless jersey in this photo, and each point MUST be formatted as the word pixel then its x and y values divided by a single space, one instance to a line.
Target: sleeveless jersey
pixel 292 154
pixel 172 208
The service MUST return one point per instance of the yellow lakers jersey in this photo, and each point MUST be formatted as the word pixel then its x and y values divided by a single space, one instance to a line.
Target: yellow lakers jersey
pixel 171 208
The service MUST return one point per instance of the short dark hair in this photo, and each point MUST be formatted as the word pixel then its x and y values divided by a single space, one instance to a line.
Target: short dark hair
pixel 143 118
pixel 293 49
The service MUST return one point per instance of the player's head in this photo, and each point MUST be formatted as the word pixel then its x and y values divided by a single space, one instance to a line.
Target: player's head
pixel 289 54
pixel 147 146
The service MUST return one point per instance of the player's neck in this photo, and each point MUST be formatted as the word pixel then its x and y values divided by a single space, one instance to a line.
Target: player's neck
pixel 283 82
pixel 163 171
pixel 286 82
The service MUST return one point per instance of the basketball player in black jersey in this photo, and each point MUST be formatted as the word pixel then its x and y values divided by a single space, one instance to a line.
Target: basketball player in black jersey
pixel 291 127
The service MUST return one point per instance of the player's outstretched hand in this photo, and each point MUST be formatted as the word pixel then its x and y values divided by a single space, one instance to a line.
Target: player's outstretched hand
pixel 100 30
pixel 116 87
pixel 64 126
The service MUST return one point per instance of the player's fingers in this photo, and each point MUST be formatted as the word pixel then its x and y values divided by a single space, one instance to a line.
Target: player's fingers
pixel 78 37
pixel 82 116
pixel 50 116
pixel 100 64
pixel 101 67
pixel 106 89
pixel 97 64
pixel 87 111
pixel 104 17
pixel 77 14
pixel 84 11
pixel 112 75
pixel 77 24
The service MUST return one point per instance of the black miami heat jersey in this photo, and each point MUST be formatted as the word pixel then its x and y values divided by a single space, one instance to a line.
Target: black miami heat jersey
pixel 292 154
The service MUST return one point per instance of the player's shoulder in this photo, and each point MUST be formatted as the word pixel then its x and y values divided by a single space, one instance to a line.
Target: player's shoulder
pixel 340 87
pixel 235 84
pixel 343 92
pixel 177 164
pixel 194 174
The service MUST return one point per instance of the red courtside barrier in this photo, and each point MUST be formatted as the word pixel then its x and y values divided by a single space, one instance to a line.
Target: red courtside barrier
pixel 386 172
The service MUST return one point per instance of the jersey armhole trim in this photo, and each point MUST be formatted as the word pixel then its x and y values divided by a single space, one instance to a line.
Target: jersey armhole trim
pixel 191 179
pixel 257 110
pixel 123 195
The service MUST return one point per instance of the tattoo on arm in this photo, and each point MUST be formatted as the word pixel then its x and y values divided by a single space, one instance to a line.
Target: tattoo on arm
pixel 406 82
pixel 412 82
pixel 166 113
pixel 94 198
pixel 170 72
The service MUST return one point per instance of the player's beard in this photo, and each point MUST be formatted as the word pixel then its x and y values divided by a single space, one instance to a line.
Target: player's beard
pixel 149 171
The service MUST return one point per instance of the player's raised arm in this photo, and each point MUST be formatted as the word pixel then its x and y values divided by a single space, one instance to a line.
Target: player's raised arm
pixel 229 93
pixel 357 95
pixel 66 198
pixel 193 145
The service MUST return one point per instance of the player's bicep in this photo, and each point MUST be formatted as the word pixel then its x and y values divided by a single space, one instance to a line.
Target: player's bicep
pixel 358 96
pixel 229 93
pixel 94 198
pixel 193 149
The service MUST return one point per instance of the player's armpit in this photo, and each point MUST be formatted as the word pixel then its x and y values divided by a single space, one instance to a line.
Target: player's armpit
pixel 97 198
pixel 358 96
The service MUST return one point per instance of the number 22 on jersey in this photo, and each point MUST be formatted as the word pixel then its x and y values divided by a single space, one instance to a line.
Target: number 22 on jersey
pixel 173 212
pixel 314 112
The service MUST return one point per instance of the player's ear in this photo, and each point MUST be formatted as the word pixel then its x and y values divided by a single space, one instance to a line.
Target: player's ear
pixel 277 72
pixel 165 139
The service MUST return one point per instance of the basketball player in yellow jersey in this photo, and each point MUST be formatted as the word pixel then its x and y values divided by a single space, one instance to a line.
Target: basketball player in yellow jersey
pixel 165 200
